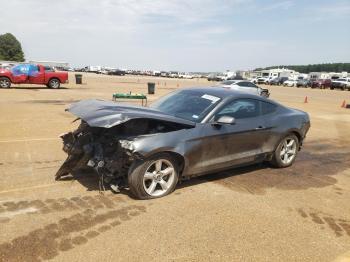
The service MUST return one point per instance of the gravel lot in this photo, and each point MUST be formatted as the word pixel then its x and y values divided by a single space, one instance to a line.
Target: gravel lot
pixel 301 213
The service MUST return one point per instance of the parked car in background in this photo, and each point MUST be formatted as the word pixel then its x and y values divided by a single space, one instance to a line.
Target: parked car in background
pixel 235 78
pixel 303 83
pixel 321 83
pixel 32 74
pixel 186 76
pixel 278 80
pixel 254 79
pixel 103 72
pixel 274 81
pixel 290 82
pixel 164 74
pixel 214 77
pixel 174 74
pixel 5 67
pixel 245 86
pixel 116 72
pixel 269 80
pixel 187 133
pixel 341 83
pixel 262 80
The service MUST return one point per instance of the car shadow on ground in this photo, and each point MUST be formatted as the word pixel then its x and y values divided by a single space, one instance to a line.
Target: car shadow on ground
pixel 34 87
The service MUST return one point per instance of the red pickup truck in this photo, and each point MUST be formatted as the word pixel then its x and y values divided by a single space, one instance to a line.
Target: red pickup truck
pixel 32 74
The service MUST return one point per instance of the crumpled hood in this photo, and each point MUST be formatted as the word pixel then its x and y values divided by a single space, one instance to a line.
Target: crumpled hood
pixel 100 113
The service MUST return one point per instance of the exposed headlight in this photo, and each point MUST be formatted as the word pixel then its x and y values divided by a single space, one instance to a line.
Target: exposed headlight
pixel 127 144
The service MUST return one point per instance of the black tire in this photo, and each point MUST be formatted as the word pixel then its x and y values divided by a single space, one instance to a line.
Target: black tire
pixel 265 94
pixel 5 82
pixel 276 160
pixel 54 83
pixel 138 171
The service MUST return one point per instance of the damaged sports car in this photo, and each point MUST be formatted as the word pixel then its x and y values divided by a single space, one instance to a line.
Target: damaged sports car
pixel 187 133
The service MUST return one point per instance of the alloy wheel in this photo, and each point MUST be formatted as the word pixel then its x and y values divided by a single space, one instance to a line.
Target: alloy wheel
pixel 55 83
pixel 288 150
pixel 4 83
pixel 159 177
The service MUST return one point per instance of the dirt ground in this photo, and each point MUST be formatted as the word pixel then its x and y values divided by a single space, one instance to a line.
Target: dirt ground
pixel 301 213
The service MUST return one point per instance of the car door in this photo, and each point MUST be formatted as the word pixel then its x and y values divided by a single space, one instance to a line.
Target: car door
pixel 218 146
pixel 37 75
pixel 19 74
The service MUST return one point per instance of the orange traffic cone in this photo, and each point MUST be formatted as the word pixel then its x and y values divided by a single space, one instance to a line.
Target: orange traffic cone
pixel 343 105
pixel 305 100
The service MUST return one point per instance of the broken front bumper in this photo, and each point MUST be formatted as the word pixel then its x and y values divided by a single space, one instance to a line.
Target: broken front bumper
pixel 110 160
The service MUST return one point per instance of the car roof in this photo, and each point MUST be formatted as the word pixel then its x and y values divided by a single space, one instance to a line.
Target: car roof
pixel 224 93
pixel 240 80
pixel 234 81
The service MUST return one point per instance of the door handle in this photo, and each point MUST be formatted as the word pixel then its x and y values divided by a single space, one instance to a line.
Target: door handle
pixel 260 128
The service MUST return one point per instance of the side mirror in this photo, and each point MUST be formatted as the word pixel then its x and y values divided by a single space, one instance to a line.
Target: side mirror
pixel 228 120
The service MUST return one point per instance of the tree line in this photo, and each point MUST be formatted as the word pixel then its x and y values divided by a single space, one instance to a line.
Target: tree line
pixel 327 67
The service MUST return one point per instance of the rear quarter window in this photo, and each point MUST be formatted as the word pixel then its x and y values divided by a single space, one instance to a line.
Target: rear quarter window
pixel 240 108
pixel 268 108
pixel 48 69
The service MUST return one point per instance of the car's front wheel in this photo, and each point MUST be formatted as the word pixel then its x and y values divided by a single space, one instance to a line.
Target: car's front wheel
pixel 286 152
pixel 5 82
pixel 154 177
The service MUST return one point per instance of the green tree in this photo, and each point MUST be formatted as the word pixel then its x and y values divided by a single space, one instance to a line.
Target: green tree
pixel 10 48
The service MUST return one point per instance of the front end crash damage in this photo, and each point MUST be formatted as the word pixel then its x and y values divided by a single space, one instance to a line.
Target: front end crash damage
pixel 107 153
pixel 105 139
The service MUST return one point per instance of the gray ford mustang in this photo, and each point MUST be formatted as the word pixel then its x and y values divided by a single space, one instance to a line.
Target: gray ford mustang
pixel 187 133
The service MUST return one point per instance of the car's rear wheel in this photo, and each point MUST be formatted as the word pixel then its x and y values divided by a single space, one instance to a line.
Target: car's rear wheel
pixel 286 152
pixel 154 177
pixel 54 83
pixel 5 82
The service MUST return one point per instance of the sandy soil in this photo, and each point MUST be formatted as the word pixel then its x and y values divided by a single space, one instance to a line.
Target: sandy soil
pixel 301 213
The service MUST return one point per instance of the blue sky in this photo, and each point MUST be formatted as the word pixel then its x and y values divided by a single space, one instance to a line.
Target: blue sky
pixel 197 35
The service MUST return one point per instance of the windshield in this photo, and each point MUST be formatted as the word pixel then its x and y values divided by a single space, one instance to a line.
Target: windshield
pixel 187 104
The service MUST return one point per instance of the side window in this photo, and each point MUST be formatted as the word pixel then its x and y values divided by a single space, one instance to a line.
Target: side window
pixel 240 108
pixel 246 84
pixel 251 85
pixel 267 108
pixel 48 69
